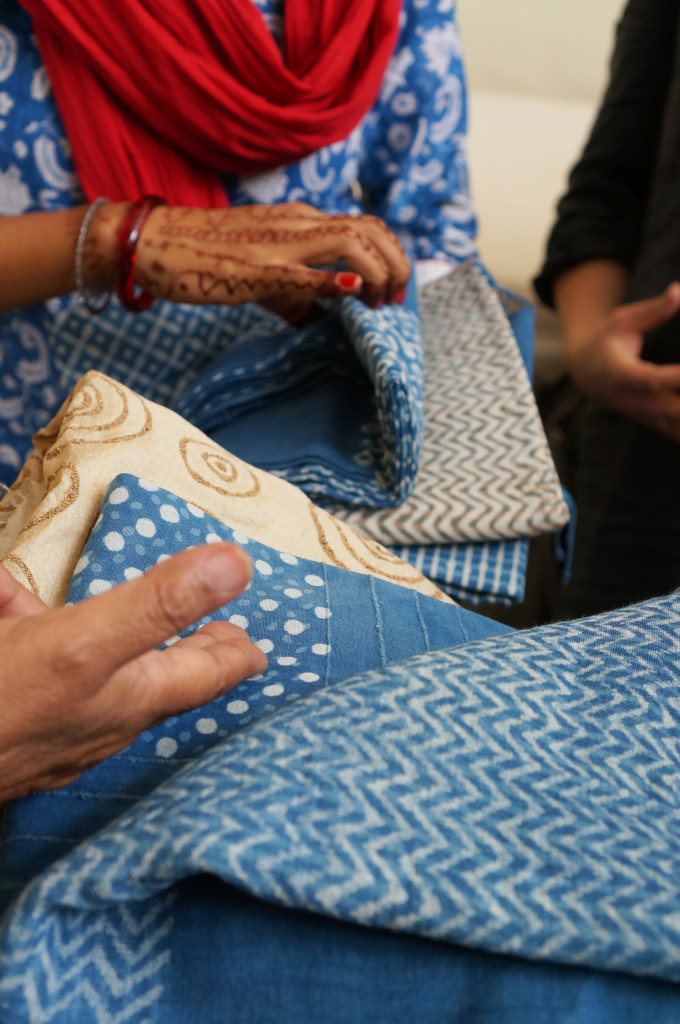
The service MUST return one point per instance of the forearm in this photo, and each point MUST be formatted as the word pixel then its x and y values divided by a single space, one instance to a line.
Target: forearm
pixel 584 296
pixel 37 253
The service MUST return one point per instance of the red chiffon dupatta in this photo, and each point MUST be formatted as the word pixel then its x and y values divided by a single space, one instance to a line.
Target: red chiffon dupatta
pixel 165 96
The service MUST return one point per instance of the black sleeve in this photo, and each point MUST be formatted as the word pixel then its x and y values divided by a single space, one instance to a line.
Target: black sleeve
pixel 602 214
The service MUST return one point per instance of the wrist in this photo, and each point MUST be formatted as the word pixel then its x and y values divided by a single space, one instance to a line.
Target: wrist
pixel 101 245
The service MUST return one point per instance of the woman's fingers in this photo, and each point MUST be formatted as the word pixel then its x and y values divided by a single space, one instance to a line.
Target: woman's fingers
pixel 256 253
pixel 650 377
pixel 648 313
pixel 661 416
pixel 391 251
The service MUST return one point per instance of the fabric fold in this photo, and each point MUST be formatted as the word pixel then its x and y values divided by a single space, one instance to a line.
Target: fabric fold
pixel 515 794
pixel 335 407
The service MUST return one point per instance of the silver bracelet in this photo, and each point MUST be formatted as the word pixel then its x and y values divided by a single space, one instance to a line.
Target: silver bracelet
pixel 88 296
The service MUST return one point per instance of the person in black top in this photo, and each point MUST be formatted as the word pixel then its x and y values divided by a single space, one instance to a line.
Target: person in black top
pixel 611 270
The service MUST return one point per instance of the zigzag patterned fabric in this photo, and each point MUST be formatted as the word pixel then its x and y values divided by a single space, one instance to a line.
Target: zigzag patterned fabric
pixel 485 472
pixel 517 794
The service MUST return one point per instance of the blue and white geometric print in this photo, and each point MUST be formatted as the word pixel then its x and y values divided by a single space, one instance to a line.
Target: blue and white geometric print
pixel 517 794
pixel 316 623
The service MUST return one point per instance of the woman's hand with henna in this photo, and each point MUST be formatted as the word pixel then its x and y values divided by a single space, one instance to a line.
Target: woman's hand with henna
pixel 607 365
pixel 82 682
pixel 265 254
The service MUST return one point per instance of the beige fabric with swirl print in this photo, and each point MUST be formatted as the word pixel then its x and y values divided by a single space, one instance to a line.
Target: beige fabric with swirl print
pixel 104 429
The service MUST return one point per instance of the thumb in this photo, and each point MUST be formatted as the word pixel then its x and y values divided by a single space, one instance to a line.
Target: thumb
pixel 643 316
pixel 102 633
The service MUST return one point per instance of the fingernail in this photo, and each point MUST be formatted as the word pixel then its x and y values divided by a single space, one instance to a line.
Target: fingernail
pixel 348 282
pixel 227 567
pixel 400 297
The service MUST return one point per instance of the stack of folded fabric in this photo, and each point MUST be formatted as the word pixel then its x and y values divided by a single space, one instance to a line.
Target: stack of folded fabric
pixel 486 480
pixel 416 424
pixel 435 449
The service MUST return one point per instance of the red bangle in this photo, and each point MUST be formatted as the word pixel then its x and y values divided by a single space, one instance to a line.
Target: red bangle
pixel 131 297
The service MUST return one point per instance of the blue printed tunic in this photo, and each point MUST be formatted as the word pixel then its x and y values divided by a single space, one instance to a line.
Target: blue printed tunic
pixel 408 156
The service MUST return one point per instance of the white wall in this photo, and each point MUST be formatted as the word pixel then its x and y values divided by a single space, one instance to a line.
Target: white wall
pixel 544 47
pixel 536 69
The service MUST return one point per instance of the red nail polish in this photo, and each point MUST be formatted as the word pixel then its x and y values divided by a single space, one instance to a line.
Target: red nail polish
pixel 400 298
pixel 348 282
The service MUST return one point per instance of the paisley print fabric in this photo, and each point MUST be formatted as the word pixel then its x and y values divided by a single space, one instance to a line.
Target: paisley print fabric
pixel 407 156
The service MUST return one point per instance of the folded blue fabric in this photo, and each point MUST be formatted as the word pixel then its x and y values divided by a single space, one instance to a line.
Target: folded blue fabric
pixel 335 407
pixel 317 624
pixel 290 966
pixel 517 794
pixel 486 571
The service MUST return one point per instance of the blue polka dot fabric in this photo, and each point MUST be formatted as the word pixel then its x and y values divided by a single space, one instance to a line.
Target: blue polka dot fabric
pixel 317 624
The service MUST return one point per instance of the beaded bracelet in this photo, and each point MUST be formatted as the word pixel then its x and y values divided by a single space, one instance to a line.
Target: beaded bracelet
pixel 131 297
pixel 87 296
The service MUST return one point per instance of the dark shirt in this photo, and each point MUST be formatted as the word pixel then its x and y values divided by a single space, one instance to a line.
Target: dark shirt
pixel 623 199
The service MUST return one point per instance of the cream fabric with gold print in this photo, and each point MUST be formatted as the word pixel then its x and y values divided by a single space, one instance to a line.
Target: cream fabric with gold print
pixel 104 429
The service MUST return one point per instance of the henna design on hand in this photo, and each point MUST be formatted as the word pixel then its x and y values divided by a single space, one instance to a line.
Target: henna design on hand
pixel 260 253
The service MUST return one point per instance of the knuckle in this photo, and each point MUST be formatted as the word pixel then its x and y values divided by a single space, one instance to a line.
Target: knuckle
pixel 350 231
pixel 168 605
pixel 300 209
pixel 72 659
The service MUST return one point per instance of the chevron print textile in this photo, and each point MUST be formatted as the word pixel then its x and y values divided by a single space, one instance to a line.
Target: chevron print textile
pixel 485 472
pixel 516 794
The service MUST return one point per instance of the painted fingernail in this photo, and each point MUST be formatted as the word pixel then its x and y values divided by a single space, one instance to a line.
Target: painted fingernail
pixel 348 282
pixel 400 297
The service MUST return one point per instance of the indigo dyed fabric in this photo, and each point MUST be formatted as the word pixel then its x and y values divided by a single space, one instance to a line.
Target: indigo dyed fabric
pixel 335 407
pixel 486 571
pixel 306 967
pixel 316 623
pixel 516 794
pixel 485 468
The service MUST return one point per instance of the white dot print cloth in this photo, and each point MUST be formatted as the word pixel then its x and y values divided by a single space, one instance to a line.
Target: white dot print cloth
pixel 317 624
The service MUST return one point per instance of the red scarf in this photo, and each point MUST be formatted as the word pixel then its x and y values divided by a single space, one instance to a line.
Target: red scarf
pixel 163 96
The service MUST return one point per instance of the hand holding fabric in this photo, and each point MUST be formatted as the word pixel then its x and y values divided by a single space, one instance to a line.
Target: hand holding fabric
pixel 254 253
pixel 80 683
pixel 607 365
